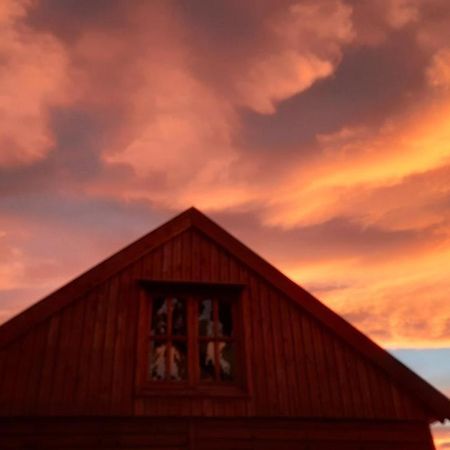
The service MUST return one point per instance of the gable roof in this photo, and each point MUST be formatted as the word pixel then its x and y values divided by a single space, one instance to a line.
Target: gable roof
pixel 437 404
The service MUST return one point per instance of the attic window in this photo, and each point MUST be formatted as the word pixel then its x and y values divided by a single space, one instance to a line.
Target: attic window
pixel 192 337
pixel 168 339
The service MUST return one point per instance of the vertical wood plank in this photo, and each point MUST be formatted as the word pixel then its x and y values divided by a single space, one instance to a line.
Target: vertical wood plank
pixel 276 397
pixel 141 344
pixel 224 267
pixel 317 403
pixel 186 251
pixel 63 357
pixel 262 372
pixel 12 360
pixel 23 347
pixel 356 387
pixel 72 375
pixel 303 382
pixel 376 390
pixel 131 322
pixel 365 387
pixel 177 258
pixel 247 326
pixel 37 335
pixel 86 350
pixel 214 262
pixel 288 345
pixel 343 379
pixel 284 383
pixel 330 374
pixel 92 398
pixel 167 260
pixel 118 363
pixel 205 260
pixel 108 344
pixel 389 401
pixel 319 362
pixel 4 374
pixel 50 362
pixel 196 257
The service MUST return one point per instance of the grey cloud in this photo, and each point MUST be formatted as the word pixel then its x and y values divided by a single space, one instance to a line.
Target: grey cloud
pixel 369 85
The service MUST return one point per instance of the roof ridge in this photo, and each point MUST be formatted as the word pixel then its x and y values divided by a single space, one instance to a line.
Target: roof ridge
pixel 431 398
pixel 87 280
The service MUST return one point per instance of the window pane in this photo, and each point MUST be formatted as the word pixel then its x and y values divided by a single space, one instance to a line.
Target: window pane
pixel 178 317
pixel 205 317
pixel 206 360
pixel 157 360
pixel 227 361
pixel 178 361
pixel 159 317
pixel 225 325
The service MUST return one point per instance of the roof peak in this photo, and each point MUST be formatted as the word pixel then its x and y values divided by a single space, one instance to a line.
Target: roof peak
pixel 437 403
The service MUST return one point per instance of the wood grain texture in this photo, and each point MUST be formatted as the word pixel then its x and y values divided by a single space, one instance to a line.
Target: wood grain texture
pixel 193 247
pixel 199 434
pixel 82 360
pixel 74 376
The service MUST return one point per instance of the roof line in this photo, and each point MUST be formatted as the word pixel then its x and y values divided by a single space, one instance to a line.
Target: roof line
pixel 431 398
pixel 55 301
pixel 437 402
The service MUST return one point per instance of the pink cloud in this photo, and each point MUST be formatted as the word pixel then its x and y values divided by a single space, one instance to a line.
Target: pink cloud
pixel 305 46
pixel 33 77
pixel 402 12
pixel 183 126
pixel 170 98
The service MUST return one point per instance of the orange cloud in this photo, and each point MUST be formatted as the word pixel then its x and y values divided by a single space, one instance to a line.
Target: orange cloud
pixel 170 96
pixel 353 165
pixel 400 300
pixel 439 71
pixel 441 435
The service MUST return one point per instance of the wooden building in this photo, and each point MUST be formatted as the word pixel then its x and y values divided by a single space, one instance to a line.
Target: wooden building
pixel 186 339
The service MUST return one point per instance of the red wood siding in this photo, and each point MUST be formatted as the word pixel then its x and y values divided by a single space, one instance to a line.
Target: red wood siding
pixel 82 360
pixel 212 434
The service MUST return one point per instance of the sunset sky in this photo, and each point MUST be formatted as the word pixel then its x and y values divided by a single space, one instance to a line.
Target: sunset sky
pixel 317 132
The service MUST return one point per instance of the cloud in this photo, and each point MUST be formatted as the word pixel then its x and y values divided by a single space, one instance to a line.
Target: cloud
pixel 171 106
pixel 359 166
pixel 47 239
pixel 391 283
pixel 441 435
pixel 317 130
pixel 402 12
pixel 438 72
pixel 306 42
pixel 33 76
pixel 378 20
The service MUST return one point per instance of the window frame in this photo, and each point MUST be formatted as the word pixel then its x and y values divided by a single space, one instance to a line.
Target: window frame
pixel 191 291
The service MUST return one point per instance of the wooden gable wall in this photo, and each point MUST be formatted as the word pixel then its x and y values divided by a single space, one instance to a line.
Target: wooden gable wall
pixel 82 360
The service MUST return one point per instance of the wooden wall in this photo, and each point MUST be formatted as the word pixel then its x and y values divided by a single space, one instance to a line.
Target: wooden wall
pixel 211 434
pixel 82 360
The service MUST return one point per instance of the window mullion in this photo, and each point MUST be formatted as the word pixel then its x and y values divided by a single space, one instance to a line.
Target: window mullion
pixel 169 301
pixel 192 341
pixel 216 335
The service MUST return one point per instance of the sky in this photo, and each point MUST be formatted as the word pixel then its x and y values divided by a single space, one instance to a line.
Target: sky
pixel 317 132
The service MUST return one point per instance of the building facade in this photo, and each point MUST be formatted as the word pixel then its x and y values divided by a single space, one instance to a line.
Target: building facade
pixel 186 339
